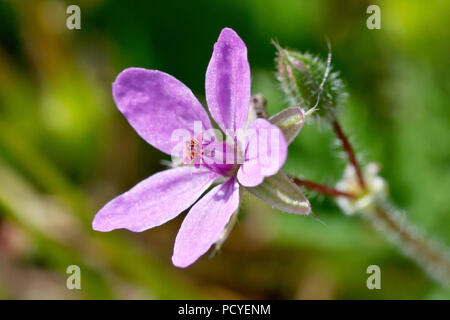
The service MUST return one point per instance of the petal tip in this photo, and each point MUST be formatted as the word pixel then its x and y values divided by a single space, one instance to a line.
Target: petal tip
pixel 249 181
pixel 228 35
pixel 98 225
pixel 227 32
pixel 179 263
pixel 127 72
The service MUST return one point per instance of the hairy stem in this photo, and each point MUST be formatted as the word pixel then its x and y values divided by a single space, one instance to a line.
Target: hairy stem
pixel 431 256
pixel 320 188
pixel 349 150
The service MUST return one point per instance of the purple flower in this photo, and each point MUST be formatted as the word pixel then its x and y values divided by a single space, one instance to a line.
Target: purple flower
pixel 156 104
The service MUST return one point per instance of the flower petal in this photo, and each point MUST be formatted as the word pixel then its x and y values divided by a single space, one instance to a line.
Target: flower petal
pixel 156 104
pixel 249 174
pixel 265 153
pixel 280 192
pixel 290 121
pixel 154 200
pixel 228 82
pixel 205 222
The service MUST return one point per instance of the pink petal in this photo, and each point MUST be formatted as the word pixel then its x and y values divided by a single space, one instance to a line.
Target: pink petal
pixel 156 104
pixel 249 174
pixel 228 81
pixel 154 200
pixel 266 152
pixel 204 223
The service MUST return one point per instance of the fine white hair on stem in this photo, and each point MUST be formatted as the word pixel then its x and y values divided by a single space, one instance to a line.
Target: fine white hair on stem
pixel 430 254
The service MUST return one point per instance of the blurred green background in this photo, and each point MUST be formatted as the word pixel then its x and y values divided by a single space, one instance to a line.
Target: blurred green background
pixel 65 149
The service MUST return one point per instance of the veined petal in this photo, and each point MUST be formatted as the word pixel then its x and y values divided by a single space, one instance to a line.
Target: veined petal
pixel 205 222
pixel 290 121
pixel 228 82
pixel 154 200
pixel 265 153
pixel 156 104
pixel 281 193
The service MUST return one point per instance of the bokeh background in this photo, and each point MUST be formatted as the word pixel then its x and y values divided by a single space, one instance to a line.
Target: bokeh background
pixel 65 149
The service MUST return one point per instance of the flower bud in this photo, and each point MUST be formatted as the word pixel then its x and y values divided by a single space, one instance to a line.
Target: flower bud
pixel 308 82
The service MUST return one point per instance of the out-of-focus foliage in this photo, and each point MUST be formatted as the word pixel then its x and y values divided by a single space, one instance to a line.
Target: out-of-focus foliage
pixel 65 149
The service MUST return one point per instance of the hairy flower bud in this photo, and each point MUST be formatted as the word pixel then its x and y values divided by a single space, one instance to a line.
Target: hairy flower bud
pixel 308 82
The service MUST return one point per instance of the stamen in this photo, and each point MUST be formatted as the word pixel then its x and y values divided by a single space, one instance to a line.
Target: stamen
pixel 196 149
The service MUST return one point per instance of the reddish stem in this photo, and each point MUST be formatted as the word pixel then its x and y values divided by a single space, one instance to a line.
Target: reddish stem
pixel 320 188
pixel 349 150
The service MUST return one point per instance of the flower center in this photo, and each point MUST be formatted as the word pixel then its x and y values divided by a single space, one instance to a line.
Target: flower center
pixel 193 149
pixel 211 154
pixel 198 151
